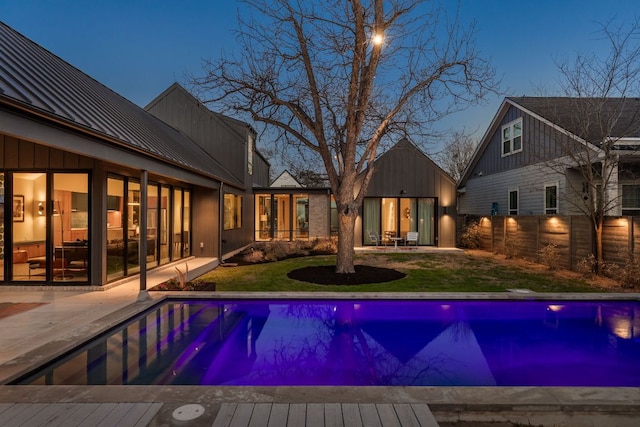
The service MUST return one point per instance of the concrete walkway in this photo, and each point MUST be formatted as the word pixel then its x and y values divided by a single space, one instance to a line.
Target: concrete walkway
pixel 70 317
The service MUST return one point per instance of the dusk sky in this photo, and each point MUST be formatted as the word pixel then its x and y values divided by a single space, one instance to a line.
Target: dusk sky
pixel 138 48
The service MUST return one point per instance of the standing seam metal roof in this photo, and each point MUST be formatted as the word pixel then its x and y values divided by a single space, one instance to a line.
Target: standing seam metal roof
pixel 40 81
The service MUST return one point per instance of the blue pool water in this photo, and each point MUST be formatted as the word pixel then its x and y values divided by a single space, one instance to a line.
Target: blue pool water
pixel 365 342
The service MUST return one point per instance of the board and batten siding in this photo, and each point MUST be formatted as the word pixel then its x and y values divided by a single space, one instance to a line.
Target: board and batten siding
pixel 404 171
pixel 540 143
pixel 181 110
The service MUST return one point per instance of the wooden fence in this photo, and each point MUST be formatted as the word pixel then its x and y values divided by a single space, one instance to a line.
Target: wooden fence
pixel 572 235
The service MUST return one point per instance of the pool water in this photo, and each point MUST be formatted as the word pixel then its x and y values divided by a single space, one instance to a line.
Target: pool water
pixel 364 342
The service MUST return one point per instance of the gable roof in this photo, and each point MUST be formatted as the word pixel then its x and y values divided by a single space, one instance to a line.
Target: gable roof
pixel 405 144
pixel 590 119
pixel 35 80
pixel 285 179
pixel 620 116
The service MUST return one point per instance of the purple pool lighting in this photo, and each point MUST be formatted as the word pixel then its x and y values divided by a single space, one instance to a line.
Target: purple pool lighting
pixel 363 343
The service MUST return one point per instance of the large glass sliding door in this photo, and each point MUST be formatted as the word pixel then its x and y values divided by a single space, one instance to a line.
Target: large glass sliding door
pixel 301 225
pixel 426 221
pixel 133 227
pixel 281 216
pixel 50 219
pixel 393 216
pixel 153 213
pixel 27 212
pixel 263 217
pixel 371 219
pixel 115 229
pixel 168 225
pixel 164 224
pixel 70 227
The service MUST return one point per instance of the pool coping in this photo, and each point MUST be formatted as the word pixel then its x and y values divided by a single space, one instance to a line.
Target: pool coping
pixel 620 400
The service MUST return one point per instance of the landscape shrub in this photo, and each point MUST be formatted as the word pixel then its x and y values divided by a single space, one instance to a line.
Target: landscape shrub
pixel 471 235
pixel 510 247
pixel 586 266
pixel 628 276
pixel 550 256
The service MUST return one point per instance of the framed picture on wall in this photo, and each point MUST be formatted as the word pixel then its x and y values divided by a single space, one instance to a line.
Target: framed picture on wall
pixel 18 208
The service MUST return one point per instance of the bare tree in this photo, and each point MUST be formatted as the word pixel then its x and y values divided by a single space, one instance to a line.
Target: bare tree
pixel 600 96
pixel 457 153
pixel 336 79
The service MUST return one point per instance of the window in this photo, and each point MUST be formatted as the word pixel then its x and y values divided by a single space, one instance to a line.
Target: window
pixel 631 199
pixel 232 211
pixel 513 202
pixel 250 147
pixel 512 137
pixel 551 199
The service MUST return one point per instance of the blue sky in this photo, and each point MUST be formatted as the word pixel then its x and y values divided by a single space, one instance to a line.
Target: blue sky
pixel 138 48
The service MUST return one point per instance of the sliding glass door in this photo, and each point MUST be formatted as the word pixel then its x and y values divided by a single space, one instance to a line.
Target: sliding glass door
pixel 395 217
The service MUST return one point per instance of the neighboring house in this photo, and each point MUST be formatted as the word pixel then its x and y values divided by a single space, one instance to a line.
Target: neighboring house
pixel 409 192
pixel 285 179
pixel 232 143
pixel 94 188
pixel 527 161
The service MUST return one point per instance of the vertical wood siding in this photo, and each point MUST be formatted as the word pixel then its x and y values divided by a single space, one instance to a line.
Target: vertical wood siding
pixel 404 168
pixel 19 154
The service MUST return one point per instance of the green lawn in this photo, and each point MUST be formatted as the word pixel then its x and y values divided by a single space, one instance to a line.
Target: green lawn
pixel 425 273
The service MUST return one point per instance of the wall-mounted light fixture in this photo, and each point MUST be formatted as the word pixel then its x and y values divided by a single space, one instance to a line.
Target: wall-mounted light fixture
pixel 403 192
pixel 446 210
pixel 41 208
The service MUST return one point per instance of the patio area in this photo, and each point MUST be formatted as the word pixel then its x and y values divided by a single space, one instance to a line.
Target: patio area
pixel 66 317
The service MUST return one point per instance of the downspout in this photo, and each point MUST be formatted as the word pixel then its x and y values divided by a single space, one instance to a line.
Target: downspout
pixel 220 221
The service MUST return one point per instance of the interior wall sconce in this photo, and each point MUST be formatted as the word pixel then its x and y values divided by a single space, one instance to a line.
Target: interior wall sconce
pixel 41 208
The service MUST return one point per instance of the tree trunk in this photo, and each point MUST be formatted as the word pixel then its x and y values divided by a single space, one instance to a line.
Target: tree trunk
pixel 598 244
pixel 346 229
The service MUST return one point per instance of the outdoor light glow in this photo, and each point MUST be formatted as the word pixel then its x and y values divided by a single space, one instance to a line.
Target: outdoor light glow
pixel 377 39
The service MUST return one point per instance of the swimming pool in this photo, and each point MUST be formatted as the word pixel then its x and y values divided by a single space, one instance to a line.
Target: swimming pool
pixel 364 342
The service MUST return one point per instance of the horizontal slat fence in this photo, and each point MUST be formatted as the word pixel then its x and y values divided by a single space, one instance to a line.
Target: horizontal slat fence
pixel 572 235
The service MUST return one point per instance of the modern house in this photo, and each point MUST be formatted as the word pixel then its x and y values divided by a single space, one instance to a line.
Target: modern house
pixel 231 143
pixel 530 159
pixel 409 192
pixel 94 189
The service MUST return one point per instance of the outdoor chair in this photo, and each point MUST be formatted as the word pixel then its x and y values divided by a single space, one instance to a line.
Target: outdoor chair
pixel 374 238
pixel 412 236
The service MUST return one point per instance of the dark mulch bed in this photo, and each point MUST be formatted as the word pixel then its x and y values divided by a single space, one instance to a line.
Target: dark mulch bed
pixel 326 275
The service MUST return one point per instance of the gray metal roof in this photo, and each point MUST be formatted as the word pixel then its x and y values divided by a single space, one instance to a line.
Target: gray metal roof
pixel 592 119
pixel 36 80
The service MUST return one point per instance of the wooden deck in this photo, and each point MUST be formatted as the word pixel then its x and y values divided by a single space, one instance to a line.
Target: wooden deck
pixel 229 415
pixel 77 414
pixel 324 415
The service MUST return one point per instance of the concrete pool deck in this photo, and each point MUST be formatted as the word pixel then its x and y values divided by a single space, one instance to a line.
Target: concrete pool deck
pixel 70 317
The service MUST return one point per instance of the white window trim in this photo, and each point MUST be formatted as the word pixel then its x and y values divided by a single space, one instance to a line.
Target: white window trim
pixel 511 190
pixel 511 150
pixel 544 198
